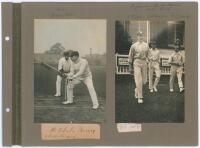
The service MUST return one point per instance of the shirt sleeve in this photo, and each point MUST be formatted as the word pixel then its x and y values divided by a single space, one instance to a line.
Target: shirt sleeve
pixel 60 64
pixel 183 57
pixel 71 73
pixel 147 52
pixel 82 69
pixel 182 60
pixel 159 56
pixel 131 55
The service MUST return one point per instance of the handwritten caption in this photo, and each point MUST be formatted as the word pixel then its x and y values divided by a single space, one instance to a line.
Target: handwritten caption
pixel 129 127
pixel 70 131
pixel 61 12
pixel 155 6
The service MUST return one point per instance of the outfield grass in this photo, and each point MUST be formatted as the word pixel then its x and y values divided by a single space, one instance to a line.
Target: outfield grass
pixel 160 107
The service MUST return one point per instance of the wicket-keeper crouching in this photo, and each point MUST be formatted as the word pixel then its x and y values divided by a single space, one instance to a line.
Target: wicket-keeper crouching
pixel 80 71
pixel 154 66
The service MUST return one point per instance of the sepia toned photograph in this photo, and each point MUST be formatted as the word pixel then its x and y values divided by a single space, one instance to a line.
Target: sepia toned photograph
pixel 69 70
pixel 149 76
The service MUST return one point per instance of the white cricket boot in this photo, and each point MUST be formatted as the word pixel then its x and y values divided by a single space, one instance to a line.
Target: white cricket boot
pixel 57 95
pixel 140 100
pixel 155 89
pixel 95 106
pixel 181 89
pixel 67 102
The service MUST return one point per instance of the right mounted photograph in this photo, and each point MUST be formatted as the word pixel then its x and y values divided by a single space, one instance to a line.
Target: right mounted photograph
pixel 149 76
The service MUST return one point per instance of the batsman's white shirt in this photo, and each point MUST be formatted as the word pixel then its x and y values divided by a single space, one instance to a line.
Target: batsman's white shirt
pixel 64 64
pixel 81 69
pixel 138 50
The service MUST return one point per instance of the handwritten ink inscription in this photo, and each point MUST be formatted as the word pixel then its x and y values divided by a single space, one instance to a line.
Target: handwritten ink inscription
pixel 155 11
pixel 70 131
pixel 129 127
pixel 61 12
pixel 155 6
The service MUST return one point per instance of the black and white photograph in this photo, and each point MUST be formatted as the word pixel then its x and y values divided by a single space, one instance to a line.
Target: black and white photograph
pixel 149 76
pixel 69 70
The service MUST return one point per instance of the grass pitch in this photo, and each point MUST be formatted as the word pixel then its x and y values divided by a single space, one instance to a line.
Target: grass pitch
pixel 160 107
pixel 49 109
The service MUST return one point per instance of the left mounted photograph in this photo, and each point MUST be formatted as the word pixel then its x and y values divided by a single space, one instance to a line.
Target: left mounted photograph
pixel 69 70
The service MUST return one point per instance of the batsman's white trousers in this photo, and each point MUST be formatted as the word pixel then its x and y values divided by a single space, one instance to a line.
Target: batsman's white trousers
pixel 88 82
pixel 176 70
pixel 58 85
pixel 154 67
pixel 140 76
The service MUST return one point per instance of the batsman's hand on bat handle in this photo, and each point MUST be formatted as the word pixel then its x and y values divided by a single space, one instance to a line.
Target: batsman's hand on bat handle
pixel 62 74
pixel 70 77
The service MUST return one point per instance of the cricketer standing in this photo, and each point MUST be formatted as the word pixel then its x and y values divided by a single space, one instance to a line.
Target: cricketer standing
pixel 80 72
pixel 138 63
pixel 154 66
pixel 176 60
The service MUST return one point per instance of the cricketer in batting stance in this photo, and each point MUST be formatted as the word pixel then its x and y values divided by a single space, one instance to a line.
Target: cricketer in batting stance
pixel 80 72
pixel 138 63
pixel 64 66
pixel 177 61
pixel 154 66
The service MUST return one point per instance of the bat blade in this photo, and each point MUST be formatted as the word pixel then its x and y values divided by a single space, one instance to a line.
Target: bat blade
pixel 49 67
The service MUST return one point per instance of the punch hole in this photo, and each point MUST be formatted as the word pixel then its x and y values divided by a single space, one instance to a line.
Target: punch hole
pixel 7 110
pixel 7 38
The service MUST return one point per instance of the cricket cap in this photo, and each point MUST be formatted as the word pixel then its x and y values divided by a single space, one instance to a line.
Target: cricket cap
pixel 177 42
pixel 66 53
pixel 139 33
